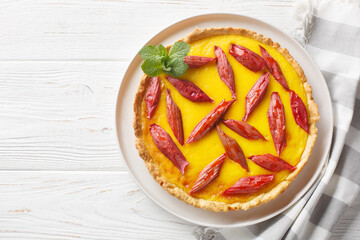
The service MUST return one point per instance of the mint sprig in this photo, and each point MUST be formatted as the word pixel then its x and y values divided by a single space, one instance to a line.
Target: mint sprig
pixel 158 60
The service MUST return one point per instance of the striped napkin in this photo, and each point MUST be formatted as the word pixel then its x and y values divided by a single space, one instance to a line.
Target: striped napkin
pixel 331 34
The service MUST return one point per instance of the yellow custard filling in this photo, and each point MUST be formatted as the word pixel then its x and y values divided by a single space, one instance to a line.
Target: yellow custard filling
pixel 199 154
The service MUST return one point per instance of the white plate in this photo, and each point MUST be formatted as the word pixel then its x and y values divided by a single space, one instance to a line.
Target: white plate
pixel 124 119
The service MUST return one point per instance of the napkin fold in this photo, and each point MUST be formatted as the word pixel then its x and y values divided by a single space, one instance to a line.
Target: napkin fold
pixel 330 32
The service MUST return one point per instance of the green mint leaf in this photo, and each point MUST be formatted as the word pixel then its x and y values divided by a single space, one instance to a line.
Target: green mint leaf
pixel 152 67
pixel 178 67
pixel 179 50
pixel 162 50
pixel 157 59
pixel 166 69
pixel 148 52
pixel 165 60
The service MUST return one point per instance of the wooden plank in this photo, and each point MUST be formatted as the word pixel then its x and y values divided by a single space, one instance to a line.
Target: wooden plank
pixel 73 205
pixel 59 115
pixel 98 205
pixel 109 29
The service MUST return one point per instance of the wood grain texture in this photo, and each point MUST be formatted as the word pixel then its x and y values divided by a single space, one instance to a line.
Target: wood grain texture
pixel 108 29
pixel 59 115
pixel 99 206
pixel 87 205
pixel 61 63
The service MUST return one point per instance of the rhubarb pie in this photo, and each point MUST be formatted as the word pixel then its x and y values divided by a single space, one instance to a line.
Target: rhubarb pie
pixel 235 129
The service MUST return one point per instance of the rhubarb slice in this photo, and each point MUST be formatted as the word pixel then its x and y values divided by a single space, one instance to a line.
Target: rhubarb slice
pixel 209 122
pixel 208 174
pixel 166 145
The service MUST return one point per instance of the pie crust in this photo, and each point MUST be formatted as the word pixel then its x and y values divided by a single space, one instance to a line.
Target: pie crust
pixel 199 34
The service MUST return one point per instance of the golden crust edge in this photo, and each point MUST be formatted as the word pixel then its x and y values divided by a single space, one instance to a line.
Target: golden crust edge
pixel 198 34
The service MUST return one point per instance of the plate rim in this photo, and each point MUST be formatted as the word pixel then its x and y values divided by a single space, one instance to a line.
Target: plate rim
pixel 300 194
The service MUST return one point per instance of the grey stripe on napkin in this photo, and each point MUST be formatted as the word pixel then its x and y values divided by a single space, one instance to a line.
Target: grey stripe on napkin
pixel 332 81
pixel 356 118
pixel 342 33
pixel 337 193
pixel 328 204
pixel 349 164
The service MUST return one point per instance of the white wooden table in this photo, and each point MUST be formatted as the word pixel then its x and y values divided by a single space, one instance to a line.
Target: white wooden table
pixel 61 64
